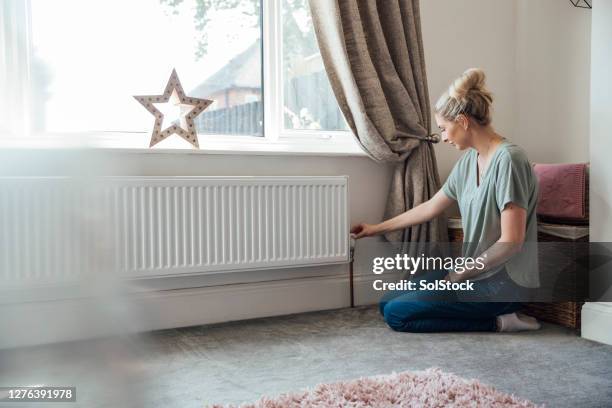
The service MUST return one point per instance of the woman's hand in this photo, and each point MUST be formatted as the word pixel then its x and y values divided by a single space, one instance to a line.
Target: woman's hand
pixel 363 230
pixel 417 215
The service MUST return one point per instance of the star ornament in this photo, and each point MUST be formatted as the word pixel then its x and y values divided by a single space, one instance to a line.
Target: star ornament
pixel 174 112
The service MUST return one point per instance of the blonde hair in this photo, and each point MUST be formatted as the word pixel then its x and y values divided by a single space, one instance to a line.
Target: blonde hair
pixel 467 95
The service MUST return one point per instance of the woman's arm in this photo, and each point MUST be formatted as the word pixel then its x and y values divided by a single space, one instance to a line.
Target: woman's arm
pixel 417 215
pixel 513 228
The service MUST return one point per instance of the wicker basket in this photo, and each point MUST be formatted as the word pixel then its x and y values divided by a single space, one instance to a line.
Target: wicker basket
pixel 563 313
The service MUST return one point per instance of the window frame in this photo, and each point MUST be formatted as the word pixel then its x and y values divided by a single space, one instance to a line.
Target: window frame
pixel 15 65
pixel 276 139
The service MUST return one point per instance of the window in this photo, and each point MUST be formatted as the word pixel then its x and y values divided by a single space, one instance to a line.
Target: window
pixel 71 67
pixel 308 101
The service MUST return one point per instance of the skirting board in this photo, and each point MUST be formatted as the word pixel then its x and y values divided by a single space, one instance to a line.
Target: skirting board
pixel 597 322
pixel 35 323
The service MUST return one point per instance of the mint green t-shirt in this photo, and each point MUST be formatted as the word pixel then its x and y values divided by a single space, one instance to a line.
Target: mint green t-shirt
pixel 509 178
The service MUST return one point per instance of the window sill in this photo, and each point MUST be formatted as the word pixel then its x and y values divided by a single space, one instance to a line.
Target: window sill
pixel 328 145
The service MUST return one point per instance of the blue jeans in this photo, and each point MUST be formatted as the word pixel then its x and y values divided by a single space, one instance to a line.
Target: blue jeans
pixel 410 311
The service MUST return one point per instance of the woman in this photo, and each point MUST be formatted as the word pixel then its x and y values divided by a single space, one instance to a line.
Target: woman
pixel 496 190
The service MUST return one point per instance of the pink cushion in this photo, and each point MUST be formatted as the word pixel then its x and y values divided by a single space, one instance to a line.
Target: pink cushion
pixel 563 191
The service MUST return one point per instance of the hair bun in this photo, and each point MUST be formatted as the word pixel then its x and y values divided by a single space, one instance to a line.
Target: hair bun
pixel 467 95
pixel 471 80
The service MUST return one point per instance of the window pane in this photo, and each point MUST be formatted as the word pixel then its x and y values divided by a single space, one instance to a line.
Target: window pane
pixel 309 103
pixel 89 57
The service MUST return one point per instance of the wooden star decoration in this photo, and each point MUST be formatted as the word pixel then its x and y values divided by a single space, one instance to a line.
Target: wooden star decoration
pixel 189 108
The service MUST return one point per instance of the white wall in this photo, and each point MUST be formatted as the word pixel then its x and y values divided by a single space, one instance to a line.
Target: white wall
pixel 282 291
pixel 471 33
pixel 536 56
pixel 601 112
pixel 553 73
pixel 597 317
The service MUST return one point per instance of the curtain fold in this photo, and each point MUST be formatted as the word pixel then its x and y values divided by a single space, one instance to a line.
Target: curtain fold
pixel 373 55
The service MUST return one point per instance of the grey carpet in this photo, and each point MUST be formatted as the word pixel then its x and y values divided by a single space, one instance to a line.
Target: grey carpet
pixel 240 361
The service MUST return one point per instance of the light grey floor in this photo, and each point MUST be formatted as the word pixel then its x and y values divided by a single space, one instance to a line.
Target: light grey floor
pixel 240 361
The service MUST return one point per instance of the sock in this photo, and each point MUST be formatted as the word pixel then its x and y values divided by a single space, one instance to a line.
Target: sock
pixel 513 322
pixel 528 318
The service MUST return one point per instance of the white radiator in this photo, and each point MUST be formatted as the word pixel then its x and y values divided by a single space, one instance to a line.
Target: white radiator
pixel 58 229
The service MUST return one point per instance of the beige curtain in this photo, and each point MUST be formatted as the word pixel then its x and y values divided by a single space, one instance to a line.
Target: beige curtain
pixel 373 54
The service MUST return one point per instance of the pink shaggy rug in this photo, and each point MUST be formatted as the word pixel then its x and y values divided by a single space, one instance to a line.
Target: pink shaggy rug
pixel 429 388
